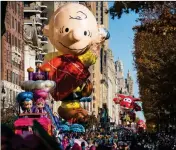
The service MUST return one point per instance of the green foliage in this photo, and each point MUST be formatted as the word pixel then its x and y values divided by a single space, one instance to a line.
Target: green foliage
pixel 121 7
pixel 92 120
pixel 154 55
pixel 155 61
pixel 8 117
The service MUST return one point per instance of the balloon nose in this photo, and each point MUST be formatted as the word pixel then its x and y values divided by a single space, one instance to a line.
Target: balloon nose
pixel 76 35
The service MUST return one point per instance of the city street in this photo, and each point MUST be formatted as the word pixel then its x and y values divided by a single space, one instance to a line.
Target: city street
pixel 88 75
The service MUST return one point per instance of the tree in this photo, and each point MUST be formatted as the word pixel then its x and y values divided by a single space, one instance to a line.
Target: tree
pixel 155 61
pixel 92 121
pixel 155 53
pixel 8 116
pixel 121 7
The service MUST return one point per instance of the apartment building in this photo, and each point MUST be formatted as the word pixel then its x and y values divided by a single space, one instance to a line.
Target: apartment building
pixel 12 54
pixel 35 17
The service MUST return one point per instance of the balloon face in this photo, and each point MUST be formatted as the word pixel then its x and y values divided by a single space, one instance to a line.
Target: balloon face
pixel 127 102
pixel 27 104
pixel 72 28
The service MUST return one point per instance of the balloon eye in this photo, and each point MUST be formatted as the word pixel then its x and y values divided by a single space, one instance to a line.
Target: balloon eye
pixel 85 33
pixel 67 29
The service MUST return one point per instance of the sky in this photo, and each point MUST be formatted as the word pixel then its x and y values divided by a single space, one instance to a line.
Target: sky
pixel 121 42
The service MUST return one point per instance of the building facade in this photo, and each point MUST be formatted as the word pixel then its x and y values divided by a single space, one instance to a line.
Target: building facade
pixel 100 68
pixel 35 17
pixel 111 85
pixel 12 54
pixel 124 85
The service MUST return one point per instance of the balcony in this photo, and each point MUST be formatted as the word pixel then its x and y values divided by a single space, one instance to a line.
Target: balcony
pixel 38 21
pixel 43 18
pixel 43 5
pixel 39 58
pixel 28 21
pixel 43 53
pixel 44 40
pixel 32 8
pixel 16 50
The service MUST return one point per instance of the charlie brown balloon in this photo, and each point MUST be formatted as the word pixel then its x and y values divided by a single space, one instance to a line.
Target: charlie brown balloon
pixel 74 32
pixel 73 29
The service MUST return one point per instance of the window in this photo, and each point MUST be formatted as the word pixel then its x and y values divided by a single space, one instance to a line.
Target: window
pixel 19 43
pixel 15 7
pixel 10 40
pixel 11 95
pixel 93 67
pixel 15 27
pixel 16 79
pixel 14 96
pixel 18 8
pixel 13 22
pixel 93 105
pixel 16 42
pixel 101 60
pixel 7 60
pixel 7 75
pixel 105 58
pixel 13 40
pixel 7 36
pixel 19 31
pixel 13 77
pixel 93 90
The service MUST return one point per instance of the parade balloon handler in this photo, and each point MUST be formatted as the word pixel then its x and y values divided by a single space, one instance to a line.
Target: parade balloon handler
pixel 74 32
pixel 25 100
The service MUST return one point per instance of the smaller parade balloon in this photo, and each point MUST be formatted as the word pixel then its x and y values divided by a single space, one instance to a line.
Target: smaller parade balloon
pixel 25 99
pixel 77 128
pixel 128 102
pixel 64 128
pixel 86 99
pixel 40 94
pixel 24 96
pixel 141 124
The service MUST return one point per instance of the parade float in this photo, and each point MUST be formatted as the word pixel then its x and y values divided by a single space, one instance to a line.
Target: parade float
pixel 64 74
pixel 132 110
pixel 32 102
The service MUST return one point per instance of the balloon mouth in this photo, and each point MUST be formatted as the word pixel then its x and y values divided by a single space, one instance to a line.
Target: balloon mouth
pixel 126 108
pixel 74 49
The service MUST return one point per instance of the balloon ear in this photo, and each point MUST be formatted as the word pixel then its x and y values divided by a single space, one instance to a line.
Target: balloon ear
pixel 121 96
pixel 116 100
